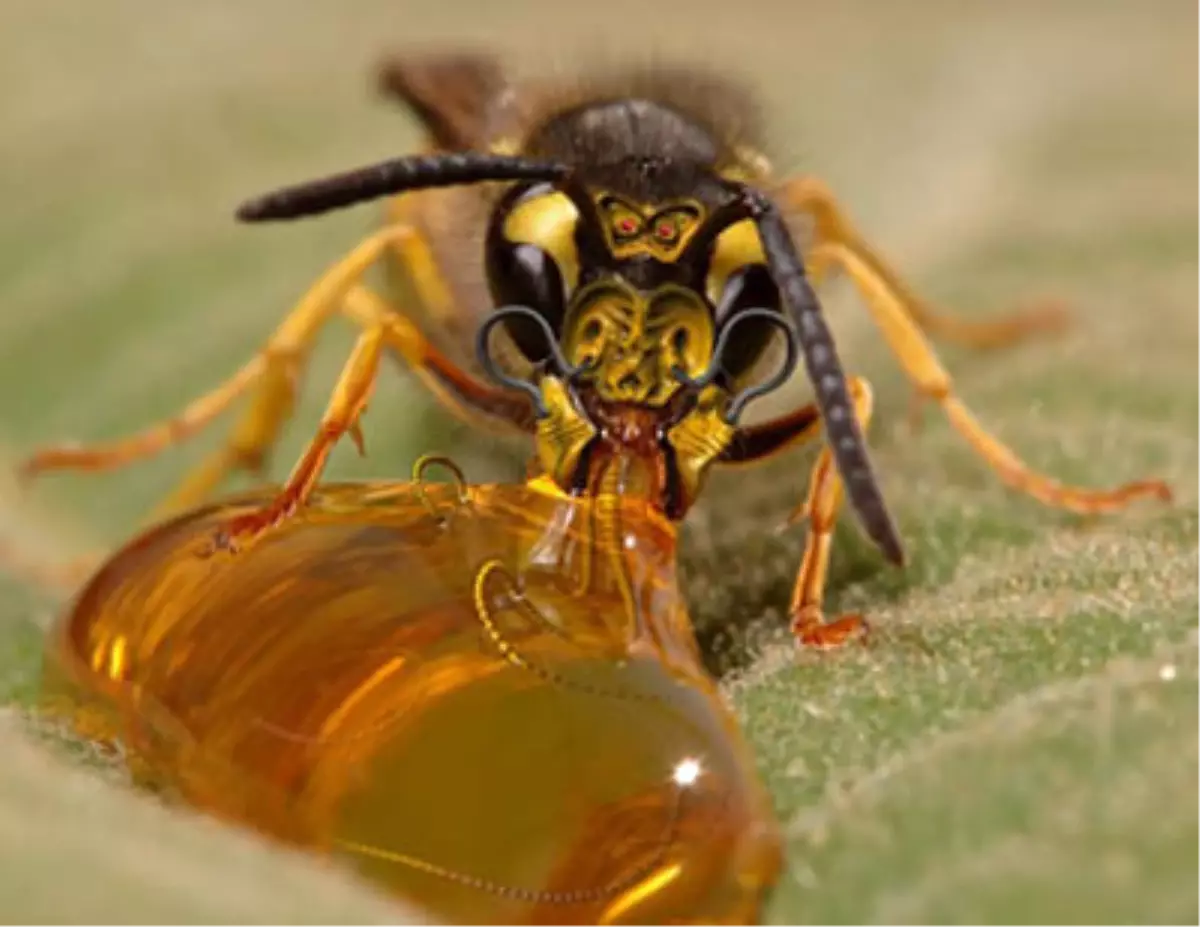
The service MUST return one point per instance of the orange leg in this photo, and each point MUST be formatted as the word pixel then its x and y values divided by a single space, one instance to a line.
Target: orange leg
pixel 931 379
pixel 473 401
pixel 455 388
pixel 832 226
pixel 821 507
pixel 349 401
pixel 382 328
pixel 273 375
pixel 284 352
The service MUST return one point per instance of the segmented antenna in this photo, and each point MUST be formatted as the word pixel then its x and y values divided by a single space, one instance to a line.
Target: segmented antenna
pixel 414 172
pixel 825 373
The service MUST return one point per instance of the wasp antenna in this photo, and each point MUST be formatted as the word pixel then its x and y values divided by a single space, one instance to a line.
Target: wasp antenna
pixel 417 172
pixel 826 375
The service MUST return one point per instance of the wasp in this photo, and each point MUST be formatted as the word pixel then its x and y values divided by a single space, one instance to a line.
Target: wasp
pixel 631 230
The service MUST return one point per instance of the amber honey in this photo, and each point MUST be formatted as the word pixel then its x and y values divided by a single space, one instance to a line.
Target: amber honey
pixel 488 699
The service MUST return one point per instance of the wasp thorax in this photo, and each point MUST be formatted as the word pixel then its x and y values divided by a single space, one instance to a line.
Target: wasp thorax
pixel 634 342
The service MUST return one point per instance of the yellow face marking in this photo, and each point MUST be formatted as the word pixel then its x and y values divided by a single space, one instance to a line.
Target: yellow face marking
pixel 735 248
pixel 634 340
pixel 548 221
pixel 660 230
pixel 562 434
pixel 699 439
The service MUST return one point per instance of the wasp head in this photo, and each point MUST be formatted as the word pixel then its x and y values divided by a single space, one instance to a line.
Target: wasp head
pixel 640 278
pixel 647 306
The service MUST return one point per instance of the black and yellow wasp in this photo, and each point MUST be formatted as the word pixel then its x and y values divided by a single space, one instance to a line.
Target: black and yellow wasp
pixel 627 242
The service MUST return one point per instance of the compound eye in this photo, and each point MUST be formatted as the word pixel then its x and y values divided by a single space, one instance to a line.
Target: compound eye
pixel 525 275
pixel 532 261
pixel 750 287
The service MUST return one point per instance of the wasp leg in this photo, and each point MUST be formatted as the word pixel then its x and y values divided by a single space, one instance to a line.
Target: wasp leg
pixel 196 415
pixel 932 380
pixel 478 404
pixel 382 328
pixel 831 225
pixel 416 262
pixel 274 372
pixel 471 400
pixel 820 507
pixel 753 443
pixel 346 406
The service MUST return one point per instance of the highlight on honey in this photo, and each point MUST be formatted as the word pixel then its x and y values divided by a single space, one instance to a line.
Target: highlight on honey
pixel 488 699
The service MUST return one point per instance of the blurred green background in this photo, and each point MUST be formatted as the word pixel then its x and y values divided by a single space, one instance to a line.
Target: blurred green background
pixel 1020 743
